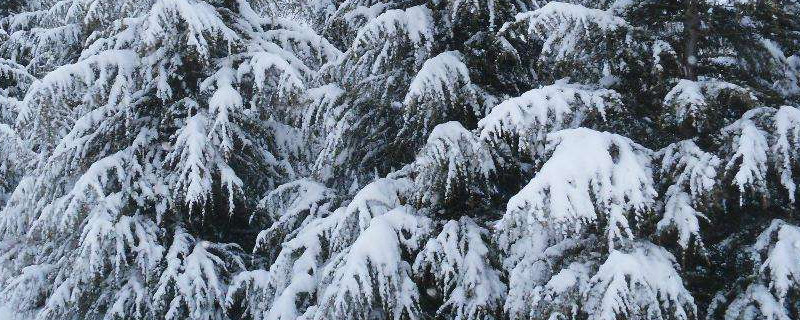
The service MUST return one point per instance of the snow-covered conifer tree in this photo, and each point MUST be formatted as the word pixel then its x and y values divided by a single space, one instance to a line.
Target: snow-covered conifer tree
pixel 443 159
pixel 157 135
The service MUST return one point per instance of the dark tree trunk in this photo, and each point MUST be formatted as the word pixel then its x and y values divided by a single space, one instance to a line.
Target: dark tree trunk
pixel 691 26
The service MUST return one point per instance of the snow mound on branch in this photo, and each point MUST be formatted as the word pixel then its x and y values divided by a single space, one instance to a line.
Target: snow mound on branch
pixel 290 287
pixel 200 19
pixel 776 254
pixel 440 91
pixel 641 283
pixel 224 103
pixel 782 262
pixel 322 114
pixel 691 176
pixel 197 160
pixel 786 146
pixel 764 140
pixel 638 282
pixel 380 41
pixel 14 159
pixel 553 12
pixel 565 28
pixel 413 22
pixel 590 176
pixel 371 278
pixel 311 48
pixel 439 76
pixel 15 71
pixel 689 167
pixel 107 76
pixel 526 120
pixel 373 200
pixel 690 100
pixel 288 208
pixel 193 284
pixel 459 261
pixel 680 215
pixel 453 166
pixel 276 69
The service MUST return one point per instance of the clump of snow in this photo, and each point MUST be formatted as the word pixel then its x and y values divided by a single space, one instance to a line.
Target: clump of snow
pixel 193 284
pixel 287 209
pixel 528 119
pixel 690 101
pixel 775 278
pixel 459 260
pixel 453 165
pixel 568 31
pixel 200 18
pixel 691 175
pixel 198 160
pixel 589 177
pixel 295 275
pixel 413 22
pixel 642 281
pixel 371 276
pixel 439 76
pixel 370 53
pixel 441 90
pixel 763 139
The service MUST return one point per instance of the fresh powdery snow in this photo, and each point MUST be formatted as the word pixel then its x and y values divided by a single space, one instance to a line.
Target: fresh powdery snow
pixel 534 114
pixel 589 176
pixel 399 160
pixel 566 28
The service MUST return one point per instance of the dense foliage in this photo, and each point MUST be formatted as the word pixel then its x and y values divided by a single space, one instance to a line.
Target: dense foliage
pixel 400 159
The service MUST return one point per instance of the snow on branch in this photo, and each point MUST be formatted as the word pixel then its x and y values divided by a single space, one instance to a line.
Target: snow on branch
pixel 691 176
pixel 293 281
pixel 570 32
pixel 526 120
pixel 393 35
pixel 288 208
pixel 311 48
pixel 291 73
pixel 371 277
pixel 373 200
pixel 459 261
pixel 14 153
pixel 696 102
pixel 196 160
pixel 198 17
pixel 103 79
pixel 413 23
pixel 441 90
pixel 193 284
pixel 763 142
pixel 224 104
pixel 454 167
pixel 590 178
pixel 642 283
pixel 638 282
pixel 776 276
pixel 439 76
pixel 12 70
